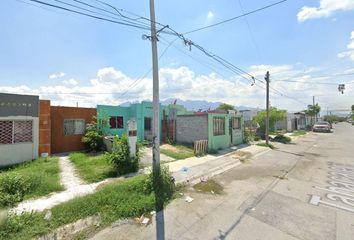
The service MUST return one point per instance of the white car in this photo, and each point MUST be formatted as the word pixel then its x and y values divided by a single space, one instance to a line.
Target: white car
pixel 322 127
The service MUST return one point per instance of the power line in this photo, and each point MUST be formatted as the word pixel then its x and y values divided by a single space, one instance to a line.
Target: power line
pixel 233 18
pixel 295 81
pixel 187 42
pixel 88 15
pixel 148 72
pixel 251 33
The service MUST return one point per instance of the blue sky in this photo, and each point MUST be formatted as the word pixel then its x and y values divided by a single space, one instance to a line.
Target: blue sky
pixel 296 40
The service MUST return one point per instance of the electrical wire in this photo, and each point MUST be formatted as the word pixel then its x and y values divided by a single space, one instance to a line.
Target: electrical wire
pixel 88 15
pixel 234 18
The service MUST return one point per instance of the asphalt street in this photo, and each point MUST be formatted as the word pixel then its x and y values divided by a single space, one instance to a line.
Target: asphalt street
pixel 303 190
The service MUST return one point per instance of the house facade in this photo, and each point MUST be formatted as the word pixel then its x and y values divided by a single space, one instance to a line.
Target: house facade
pixel 222 130
pixel 18 128
pixel 62 128
pixel 113 120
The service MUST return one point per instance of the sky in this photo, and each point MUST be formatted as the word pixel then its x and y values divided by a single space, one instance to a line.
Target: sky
pixel 70 59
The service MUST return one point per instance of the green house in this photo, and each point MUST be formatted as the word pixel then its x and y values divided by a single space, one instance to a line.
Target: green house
pixel 113 119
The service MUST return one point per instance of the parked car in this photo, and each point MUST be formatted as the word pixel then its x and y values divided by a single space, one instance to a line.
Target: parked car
pixel 322 127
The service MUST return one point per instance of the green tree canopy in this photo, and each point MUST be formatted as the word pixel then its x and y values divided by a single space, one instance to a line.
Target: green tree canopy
pixel 353 108
pixel 313 110
pixel 274 115
pixel 225 106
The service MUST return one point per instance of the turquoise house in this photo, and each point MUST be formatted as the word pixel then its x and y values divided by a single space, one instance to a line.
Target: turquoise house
pixel 113 119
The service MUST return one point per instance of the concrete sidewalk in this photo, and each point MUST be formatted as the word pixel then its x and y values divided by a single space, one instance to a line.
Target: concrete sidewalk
pixel 193 168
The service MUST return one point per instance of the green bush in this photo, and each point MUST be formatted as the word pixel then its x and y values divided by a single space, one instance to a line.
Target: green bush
pixel 13 188
pixel 93 138
pixel 120 156
pixel 164 186
pixel 282 139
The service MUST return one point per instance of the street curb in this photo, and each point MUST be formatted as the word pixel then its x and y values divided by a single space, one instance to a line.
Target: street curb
pixel 220 169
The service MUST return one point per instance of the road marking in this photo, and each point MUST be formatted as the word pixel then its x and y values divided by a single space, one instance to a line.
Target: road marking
pixel 316 200
pixel 341 190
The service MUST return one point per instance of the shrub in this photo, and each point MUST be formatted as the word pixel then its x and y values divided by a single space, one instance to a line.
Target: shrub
pixel 93 138
pixel 164 187
pixel 120 156
pixel 13 188
pixel 282 139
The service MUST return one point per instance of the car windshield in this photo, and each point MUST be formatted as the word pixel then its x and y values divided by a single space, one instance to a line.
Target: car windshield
pixel 322 123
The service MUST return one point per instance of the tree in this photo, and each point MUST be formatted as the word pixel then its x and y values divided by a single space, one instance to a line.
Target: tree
pixel 225 106
pixel 274 116
pixel 330 118
pixel 353 108
pixel 313 110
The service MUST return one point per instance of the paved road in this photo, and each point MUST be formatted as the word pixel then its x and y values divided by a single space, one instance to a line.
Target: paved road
pixel 313 201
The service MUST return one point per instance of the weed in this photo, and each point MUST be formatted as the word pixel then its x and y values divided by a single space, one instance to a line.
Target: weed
pixel 32 179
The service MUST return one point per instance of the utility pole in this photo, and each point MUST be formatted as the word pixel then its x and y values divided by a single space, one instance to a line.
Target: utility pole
pixel 313 104
pixel 160 224
pixel 267 104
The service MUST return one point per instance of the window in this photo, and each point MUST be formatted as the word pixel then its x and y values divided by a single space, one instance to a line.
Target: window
pixel 74 126
pixel 235 123
pixel 6 128
pixel 16 131
pixel 147 124
pixel 219 126
pixel 116 122
pixel 22 131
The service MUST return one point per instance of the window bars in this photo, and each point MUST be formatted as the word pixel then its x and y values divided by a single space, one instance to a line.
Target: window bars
pixel 16 131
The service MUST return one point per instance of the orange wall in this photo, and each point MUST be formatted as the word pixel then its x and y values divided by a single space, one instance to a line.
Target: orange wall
pixel 59 142
pixel 44 127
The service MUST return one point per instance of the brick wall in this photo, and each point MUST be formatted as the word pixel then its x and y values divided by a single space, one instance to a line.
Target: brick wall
pixel 191 128
pixel 67 143
pixel 44 127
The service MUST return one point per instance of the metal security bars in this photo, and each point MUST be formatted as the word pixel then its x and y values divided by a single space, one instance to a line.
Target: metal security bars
pixel 16 131
pixel 218 126
pixel 74 126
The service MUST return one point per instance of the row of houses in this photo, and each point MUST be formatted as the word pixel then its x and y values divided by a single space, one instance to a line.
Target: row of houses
pixel 31 127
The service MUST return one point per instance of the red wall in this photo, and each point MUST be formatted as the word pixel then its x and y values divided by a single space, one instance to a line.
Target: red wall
pixel 59 142
pixel 44 127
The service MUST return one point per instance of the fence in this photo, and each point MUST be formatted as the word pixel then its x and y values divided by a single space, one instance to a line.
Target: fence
pixel 200 147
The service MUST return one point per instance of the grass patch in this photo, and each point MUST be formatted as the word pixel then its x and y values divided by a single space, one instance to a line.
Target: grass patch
pixel 298 133
pixel 266 145
pixel 177 151
pixel 114 201
pixel 27 180
pixel 92 168
pixel 210 186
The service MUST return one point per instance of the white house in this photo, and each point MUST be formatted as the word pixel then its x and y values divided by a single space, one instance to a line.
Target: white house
pixel 19 125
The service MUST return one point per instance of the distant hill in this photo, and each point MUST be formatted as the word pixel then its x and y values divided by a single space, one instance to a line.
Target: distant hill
pixel 194 105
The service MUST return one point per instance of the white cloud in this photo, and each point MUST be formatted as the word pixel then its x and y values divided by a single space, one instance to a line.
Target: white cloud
pixel 326 9
pixel 110 86
pixel 210 15
pixel 71 81
pixel 57 75
pixel 350 47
